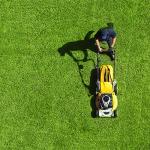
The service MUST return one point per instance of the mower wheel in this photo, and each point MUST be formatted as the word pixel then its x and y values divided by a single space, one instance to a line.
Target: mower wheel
pixel 116 89
pixel 97 113
pixel 115 113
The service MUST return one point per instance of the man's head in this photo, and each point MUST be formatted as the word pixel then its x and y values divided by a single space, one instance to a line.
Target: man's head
pixel 110 25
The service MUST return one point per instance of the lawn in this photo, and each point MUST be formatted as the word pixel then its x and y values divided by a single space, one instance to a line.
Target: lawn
pixel 45 99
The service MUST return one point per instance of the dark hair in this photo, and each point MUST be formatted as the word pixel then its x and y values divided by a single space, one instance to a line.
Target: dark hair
pixel 110 25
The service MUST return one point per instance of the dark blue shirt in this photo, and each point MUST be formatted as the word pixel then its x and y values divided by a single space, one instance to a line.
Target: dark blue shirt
pixel 105 34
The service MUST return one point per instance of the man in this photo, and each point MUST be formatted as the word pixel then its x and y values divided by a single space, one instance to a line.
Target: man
pixel 106 34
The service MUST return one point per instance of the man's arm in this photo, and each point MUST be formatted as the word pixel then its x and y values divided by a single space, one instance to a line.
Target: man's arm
pixel 98 45
pixel 113 42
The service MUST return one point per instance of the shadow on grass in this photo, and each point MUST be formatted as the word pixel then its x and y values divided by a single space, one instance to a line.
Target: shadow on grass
pixel 92 91
pixel 83 46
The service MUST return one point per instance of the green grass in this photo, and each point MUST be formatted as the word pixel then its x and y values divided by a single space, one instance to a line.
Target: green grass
pixel 43 101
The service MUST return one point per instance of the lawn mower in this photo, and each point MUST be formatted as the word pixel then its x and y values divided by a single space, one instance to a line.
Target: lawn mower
pixel 106 90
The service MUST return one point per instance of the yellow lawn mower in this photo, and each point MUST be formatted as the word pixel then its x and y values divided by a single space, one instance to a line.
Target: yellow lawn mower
pixel 106 91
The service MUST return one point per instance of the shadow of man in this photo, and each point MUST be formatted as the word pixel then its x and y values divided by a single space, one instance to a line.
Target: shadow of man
pixel 84 45
pixel 81 45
